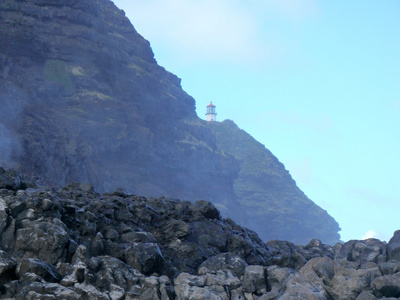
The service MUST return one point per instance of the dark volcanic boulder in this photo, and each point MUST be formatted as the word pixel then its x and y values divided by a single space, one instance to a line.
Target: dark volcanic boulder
pixel 145 257
pixel 370 250
pixel 7 266
pixel 45 240
pixel 176 229
pixel 11 180
pixel 255 280
pixel 225 261
pixel 393 248
pixel 29 265
pixel 207 234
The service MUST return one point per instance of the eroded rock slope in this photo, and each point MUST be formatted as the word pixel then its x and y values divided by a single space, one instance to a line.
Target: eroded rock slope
pixel 74 243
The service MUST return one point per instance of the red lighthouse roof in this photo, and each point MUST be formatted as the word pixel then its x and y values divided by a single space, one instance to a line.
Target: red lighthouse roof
pixel 210 104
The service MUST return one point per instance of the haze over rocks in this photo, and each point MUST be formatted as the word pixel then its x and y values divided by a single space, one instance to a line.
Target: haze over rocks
pixel 74 243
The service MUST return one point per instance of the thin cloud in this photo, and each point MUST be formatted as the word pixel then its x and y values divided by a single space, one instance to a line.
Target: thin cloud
pixel 199 30
pixel 369 235
pixel 229 32
pixel 372 234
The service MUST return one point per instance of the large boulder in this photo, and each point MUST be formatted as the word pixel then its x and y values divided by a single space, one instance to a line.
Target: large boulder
pixel 47 241
pixel 7 266
pixel 369 250
pixel 224 262
pixel 255 280
pixel 33 265
pixel 145 257
pixel 393 247
pixel 347 283
pixel 386 286
pixel 323 267
pixel 303 286
pixel 208 234
pixel 11 180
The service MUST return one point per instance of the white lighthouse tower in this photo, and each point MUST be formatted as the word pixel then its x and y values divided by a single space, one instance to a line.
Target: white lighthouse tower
pixel 211 114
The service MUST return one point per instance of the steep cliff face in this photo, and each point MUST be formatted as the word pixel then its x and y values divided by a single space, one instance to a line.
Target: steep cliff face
pixel 93 105
pixel 268 192
pixel 83 99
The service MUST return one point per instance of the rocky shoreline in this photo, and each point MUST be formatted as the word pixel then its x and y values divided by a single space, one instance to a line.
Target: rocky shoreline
pixel 74 243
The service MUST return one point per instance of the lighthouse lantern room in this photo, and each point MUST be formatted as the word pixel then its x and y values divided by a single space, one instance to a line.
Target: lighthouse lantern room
pixel 211 114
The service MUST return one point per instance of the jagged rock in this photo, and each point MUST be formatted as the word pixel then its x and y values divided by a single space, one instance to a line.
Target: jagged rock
pixel 386 286
pixel 309 283
pixel 109 270
pixel 193 287
pixel 389 268
pixel 207 234
pixel 7 237
pixel 78 275
pixel 315 248
pixel 347 284
pixel 286 254
pixel 370 250
pixel 255 280
pixel 276 276
pixel 11 180
pixel 46 291
pixel 225 262
pixel 151 289
pixel 138 237
pixel 366 296
pixel 203 208
pixel 303 286
pixel 32 265
pixel 87 291
pixel 176 229
pixel 145 257
pixel 45 240
pixel 116 292
pixel 393 248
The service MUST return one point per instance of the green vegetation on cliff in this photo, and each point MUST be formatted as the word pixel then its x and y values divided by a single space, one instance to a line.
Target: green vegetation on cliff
pixel 278 208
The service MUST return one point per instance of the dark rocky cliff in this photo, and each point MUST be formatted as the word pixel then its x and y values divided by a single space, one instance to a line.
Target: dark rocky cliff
pixel 84 100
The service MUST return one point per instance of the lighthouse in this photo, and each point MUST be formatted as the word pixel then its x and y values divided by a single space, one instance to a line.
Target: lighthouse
pixel 211 114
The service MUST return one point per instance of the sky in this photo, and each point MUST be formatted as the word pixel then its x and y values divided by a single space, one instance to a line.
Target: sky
pixel 316 82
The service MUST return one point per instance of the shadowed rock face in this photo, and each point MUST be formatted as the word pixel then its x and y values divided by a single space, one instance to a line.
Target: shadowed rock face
pixel 83 100
pixel 74 243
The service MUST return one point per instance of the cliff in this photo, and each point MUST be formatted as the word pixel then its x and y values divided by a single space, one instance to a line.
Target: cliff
pixel 268 192
pixel 83 100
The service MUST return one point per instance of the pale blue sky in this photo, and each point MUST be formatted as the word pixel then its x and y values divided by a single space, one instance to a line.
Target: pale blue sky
pixel 316 82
